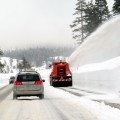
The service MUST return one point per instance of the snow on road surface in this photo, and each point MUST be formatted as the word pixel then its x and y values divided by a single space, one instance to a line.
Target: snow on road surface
pixel 57 105
pixel 4 79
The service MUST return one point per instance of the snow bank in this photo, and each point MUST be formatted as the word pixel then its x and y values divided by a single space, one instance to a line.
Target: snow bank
pixel 10 64
pixel 10 69
pixel 100 110
pixel 4 79
pixel 96 63
pixel 100 46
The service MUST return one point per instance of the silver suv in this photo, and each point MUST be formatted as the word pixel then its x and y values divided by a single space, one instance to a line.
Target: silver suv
pixel 28 83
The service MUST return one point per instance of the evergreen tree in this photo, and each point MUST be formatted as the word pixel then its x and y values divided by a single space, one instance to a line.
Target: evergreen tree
pixel 34 54
pixel 91 18
pixel 24 65
pixel 20 66
pixel 95 15
pixel 116 7
pixel 1 52
pixel 78 24
pixel 102 11
pixel 1 65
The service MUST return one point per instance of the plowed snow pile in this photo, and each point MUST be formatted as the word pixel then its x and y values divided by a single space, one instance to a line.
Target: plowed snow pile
pixel 96 62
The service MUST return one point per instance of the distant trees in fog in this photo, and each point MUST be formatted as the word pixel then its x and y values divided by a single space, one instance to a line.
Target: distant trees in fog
pixel 38 56
pixel 23 64
pixel 1 52
pixel 1 65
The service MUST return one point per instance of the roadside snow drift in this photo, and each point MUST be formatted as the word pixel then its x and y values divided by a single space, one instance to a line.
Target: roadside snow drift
pixel 96 63
pixel 10 69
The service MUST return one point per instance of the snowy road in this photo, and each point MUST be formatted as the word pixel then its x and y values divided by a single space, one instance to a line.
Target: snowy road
pixel 55 106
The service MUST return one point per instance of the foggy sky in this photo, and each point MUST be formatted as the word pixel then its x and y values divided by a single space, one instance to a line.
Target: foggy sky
pixel 34 23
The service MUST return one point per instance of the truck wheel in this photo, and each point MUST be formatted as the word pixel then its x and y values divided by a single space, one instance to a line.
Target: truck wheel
pixel 54 84
pixel 70 84
pixel 50 83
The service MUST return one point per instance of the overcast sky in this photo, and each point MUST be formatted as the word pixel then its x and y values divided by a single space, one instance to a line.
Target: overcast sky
pixel 28 23
pixel 34 23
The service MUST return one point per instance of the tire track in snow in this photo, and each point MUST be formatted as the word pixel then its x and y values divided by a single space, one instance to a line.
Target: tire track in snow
pixel 61 115
pixel 115 105
pixel 61 103
pixel 5 91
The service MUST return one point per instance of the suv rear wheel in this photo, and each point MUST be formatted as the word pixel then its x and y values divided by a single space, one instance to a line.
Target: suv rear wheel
pixel 41 96
pixel 14 97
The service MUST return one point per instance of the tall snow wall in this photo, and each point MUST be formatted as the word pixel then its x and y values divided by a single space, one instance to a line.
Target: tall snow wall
pixel 102 45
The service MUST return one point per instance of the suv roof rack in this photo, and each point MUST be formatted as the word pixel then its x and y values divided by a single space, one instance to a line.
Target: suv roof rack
pixel 28 71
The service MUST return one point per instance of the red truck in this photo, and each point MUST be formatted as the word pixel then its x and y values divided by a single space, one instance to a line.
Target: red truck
pixel 61 74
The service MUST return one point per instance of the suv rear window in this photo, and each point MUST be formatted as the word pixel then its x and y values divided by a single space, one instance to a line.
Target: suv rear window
pixel 27 78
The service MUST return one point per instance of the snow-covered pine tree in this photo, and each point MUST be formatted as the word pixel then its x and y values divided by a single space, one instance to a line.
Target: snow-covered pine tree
pixel 91 18
pixel 78 24
pixel 1 52
pixel 24 64
pixel 116 7
pixel 102 10
pixel 1 65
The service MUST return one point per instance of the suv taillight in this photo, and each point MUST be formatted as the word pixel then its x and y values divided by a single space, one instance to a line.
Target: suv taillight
pixel 38 82
pixel 17 83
